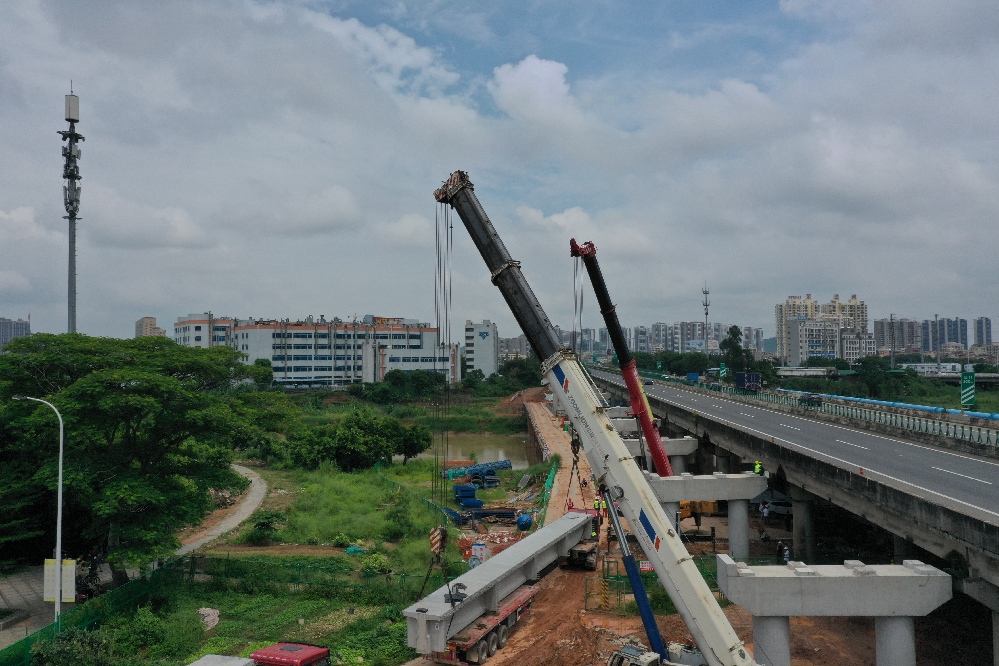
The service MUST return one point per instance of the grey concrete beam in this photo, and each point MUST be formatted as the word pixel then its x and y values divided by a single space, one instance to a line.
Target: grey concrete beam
pixel 432 620
pixel 852 589
pixel 706 487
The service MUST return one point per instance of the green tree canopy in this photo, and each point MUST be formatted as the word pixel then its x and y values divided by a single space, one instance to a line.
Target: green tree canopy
pixel 150 427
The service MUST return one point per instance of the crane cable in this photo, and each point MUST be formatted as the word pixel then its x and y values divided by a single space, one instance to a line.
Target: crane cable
pixel 444 232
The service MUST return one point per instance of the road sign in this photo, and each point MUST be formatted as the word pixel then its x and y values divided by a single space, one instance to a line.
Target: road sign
pixel 659 365
pixel 722 370
pixel 967 389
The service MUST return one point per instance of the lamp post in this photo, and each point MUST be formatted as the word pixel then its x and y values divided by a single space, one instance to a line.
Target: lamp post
pixel 58 553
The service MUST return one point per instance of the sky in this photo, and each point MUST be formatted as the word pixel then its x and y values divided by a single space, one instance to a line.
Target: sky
pixel 277 159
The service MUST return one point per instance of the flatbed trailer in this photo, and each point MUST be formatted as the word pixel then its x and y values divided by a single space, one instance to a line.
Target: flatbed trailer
pixel 483 637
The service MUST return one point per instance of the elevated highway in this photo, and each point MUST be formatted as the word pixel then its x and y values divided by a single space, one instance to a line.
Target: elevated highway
pixel 944 501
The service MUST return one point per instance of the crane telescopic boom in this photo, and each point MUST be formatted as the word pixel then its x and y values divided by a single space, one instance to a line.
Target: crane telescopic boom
pixel 613 466
pixel 629 367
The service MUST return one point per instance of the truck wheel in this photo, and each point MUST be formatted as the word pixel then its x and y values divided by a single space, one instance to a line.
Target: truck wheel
pixel 481 652
pixel 492 640
pixel 502 635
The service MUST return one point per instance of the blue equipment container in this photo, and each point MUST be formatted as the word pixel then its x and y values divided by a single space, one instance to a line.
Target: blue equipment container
pixel 524 522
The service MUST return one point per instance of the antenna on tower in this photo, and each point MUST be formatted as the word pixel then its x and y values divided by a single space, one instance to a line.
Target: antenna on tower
pixel 71 193
pixel 705 303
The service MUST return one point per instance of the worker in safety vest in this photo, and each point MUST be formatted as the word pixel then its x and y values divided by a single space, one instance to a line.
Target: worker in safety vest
pixel 596 504
pixel 603 507
pixel 758 468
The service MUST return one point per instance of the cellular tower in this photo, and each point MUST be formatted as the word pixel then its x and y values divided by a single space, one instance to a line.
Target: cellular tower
pixel 71 193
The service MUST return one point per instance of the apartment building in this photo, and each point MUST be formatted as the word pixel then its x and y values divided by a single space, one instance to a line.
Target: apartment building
pixel 13 328
pixel 482 346
pixel 146 327
pixel 983 330
pixel 318 352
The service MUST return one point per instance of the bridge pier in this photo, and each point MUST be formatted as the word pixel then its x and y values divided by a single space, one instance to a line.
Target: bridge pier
pixel 737 489
pixel 803 532
pixel 892 594
pixel 772 640
pixel 902 548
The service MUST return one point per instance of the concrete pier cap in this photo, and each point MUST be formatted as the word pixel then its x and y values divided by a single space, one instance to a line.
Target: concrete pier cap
pixel 851 589
pixel 706 487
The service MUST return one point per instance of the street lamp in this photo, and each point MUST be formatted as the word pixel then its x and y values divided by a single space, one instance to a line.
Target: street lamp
pixel 58 553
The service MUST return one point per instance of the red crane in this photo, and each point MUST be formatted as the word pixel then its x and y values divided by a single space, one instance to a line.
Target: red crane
pixel 629 368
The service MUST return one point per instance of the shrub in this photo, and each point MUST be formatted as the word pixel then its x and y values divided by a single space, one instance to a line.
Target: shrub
pixel 341 540
pixel 375 562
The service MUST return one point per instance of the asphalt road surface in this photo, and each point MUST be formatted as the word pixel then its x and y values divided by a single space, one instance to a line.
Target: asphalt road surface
pixel 966 483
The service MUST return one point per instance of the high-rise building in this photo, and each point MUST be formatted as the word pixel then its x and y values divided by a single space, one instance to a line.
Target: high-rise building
pixel 642 341
pixel 983 331
pixel 517 347
pixel 146 327
pixel 603 340
pixel 813 338
pixel 795 307
pixel 752 338
pixel 659 335
pixel 939 332
pixel 854 309
pixel 855 344
pixel 903 335
pixel 13 328
pixel 482 346
pixel 317 352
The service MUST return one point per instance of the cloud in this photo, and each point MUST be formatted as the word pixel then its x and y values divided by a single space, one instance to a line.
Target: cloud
pixel 112 221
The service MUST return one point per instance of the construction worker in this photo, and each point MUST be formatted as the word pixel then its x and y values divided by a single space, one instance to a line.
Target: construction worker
pixel 596 504
pixel 570 503
pixel 758 468
pixel 603 506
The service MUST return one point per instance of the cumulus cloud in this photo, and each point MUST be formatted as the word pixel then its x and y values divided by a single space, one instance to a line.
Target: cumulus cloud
pixel 232 145
pixel 113 221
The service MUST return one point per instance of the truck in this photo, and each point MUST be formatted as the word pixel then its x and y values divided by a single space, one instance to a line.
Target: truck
pixel 616 474
pixel 748 381
pixel 279 654
pixel 489 632
pixel 584 554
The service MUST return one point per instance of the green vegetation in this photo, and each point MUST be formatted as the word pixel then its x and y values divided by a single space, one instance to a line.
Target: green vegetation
pixel 150 427
pixel 168 631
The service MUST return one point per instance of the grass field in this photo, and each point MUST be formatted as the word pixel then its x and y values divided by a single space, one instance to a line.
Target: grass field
pixel 477 415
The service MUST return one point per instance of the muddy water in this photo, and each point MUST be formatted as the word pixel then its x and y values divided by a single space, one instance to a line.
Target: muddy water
pixel 486 447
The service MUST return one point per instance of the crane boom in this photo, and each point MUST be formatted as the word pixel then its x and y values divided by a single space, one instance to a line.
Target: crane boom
pixel 613 466
pixel 629 367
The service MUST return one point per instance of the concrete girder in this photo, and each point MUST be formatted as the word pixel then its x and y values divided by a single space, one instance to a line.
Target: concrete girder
pixel 432 620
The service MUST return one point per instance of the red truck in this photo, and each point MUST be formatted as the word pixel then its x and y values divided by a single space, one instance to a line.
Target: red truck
pixel 279 654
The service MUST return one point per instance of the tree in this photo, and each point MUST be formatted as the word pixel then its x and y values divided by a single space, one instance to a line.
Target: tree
pixel 415 440
pixel 150 427
pixel 737 358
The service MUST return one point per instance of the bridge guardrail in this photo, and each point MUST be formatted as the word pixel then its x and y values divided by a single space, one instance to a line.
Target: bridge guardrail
pixel 959 431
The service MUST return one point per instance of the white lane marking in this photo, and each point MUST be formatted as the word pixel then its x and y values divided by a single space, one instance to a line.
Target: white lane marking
pixel 788 426
pixel 749 415
pixel 870 471
pixel 852 444
pixel 962 475
pixel 864 433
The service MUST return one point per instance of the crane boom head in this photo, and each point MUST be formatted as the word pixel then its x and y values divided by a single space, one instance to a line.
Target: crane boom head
pixel 456 182
pixel 587 249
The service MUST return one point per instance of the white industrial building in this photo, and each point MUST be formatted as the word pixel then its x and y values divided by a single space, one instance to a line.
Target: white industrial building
pixel 317 352
pixel 482 347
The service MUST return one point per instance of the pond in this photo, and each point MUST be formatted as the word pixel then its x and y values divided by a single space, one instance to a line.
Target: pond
pixel 486 447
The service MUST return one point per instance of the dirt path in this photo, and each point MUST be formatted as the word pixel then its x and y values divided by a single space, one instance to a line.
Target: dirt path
pixel 220 521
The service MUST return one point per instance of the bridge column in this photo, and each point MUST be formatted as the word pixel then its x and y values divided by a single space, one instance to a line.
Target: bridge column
pixel 738 528
pixel 803 532
pixel 679 464
pixel 772 640
pixel 672 509
pixel 895 641
pixel 722 461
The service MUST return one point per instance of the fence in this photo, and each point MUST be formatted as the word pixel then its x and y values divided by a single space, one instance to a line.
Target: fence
pixel 546 494
pixel 91 614
pixel 959 431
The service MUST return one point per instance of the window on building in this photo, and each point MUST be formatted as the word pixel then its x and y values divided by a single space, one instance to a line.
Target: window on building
pixel 381 336
pixel 414 336
pixel 302 335
pixel 323 336
pixel 394 359
pixel 197 338
pixel 398 336
pixel 197 328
